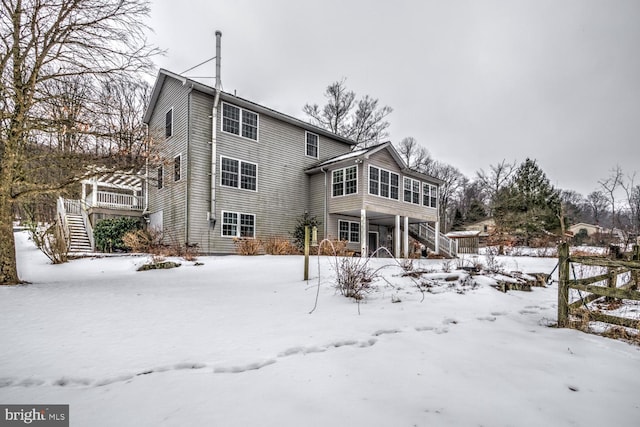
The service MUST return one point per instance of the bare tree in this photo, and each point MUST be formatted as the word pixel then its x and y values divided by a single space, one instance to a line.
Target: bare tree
pixel 596 202
pixel 45 43
pixel 452 183
pixel 494 180
pixel 365 125
pixel 414 155
pixel 610 185
pixel 632 192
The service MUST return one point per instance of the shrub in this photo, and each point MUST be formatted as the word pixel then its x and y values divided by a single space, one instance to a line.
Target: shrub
pixel 108 233
pixel 280 246
pixel 138 241
pixel 50 240
pixel 301 223
pixel 353 277
pixel 247 246
pixel 333 247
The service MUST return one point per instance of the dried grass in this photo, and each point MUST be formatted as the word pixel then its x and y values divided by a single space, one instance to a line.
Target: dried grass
pixel 280 246
pixel 246 246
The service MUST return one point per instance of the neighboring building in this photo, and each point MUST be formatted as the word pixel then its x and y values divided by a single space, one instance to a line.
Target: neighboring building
pixel 486 227
pixel 590 229
pixel 235 169
pixel 468 241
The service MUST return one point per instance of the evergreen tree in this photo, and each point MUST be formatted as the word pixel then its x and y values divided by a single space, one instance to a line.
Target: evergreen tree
pixel 529 205
pixel 476 212
pixel 458 221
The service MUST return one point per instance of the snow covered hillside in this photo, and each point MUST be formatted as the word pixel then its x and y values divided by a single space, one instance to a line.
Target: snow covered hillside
pixel 232 343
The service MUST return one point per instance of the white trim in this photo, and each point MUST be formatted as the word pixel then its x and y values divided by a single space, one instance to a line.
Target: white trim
pixel 344 182
pixel 306 144
pixel 238 224
pixel 240 161
pixel 240 116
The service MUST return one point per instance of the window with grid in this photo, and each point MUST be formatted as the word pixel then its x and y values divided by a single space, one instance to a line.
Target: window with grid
pixel 177 168
pixel 239 122
pixel 345 181
pixel 312 145
pixel 349 231
pixel 383 183
pixel 235 224
pixel 239 174
pixel 411 191
pixel 429 195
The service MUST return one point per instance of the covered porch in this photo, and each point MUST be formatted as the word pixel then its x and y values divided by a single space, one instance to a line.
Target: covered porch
pixel 388 234
pixel 118 191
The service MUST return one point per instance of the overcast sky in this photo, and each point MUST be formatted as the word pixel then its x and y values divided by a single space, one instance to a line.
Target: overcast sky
pixel 474 81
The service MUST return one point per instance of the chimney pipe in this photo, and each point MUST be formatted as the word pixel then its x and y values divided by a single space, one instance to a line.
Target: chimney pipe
pixel 218 80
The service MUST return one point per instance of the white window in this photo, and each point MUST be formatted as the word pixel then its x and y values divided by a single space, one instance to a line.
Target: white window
pixel 345 181
pixel 239 122
pixel 177 168
pixel 311 145
pixel 238 174
pixel 168 123
pixel 383 183
pixel 411 191
pixel 236 224
pixel 349 231
pixel 429 195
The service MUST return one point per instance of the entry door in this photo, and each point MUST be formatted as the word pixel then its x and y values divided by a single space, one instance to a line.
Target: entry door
pixel 372 243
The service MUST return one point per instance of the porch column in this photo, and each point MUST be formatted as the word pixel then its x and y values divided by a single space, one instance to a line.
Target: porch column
pixel 437 237
pixel 94 201
pixel 405 235
pixel 364 236
pixel 396 238
pixel 84 195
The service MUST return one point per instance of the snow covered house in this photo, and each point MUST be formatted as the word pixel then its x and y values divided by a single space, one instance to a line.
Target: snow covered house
pixel 231 168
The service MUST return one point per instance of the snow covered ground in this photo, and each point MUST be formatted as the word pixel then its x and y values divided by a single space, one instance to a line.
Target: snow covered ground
pixel 232 343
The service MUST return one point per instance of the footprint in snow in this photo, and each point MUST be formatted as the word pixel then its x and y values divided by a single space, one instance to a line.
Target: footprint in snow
pixel 487 318
pixel 243 368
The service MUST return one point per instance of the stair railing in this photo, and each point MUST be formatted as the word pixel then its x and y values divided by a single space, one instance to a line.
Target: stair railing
pixel 64 225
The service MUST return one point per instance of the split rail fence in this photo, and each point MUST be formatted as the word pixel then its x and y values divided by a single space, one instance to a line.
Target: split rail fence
pixel 614 268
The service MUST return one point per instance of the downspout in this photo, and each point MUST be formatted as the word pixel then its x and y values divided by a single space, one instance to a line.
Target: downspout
pixel 145 209
pixel 324 224
pixel 187 161
pixel 214 135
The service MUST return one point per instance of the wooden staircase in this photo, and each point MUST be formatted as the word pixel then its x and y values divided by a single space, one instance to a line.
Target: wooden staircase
pixel 426 235
pixel 78 238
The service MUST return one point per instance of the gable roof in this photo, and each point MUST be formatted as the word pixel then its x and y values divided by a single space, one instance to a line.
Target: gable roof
pixel 365 153
pixel 236 100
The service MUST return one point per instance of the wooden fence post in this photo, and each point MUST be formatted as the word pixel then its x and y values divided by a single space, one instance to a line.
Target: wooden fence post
pixel 306 252
pixel 563 284
pixel 636 253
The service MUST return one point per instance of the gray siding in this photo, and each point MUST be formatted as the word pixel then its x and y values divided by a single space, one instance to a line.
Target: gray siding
pixel 171 199
pixel 283 188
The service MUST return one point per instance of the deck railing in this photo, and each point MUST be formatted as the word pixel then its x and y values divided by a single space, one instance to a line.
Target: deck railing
pixel 106 199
